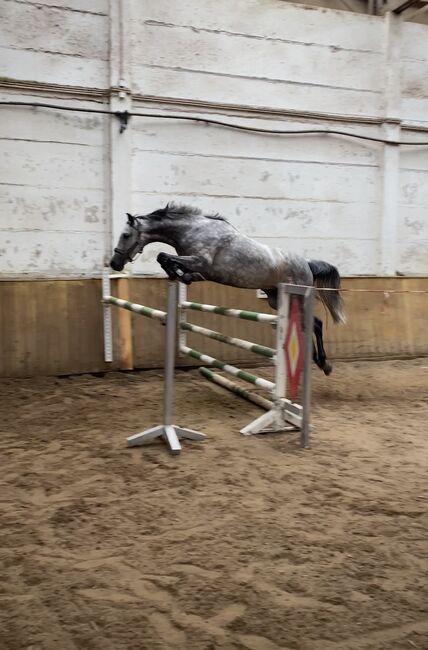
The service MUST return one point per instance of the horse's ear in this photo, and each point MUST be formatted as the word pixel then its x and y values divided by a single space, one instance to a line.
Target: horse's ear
pixel 131 219
pixel 166 208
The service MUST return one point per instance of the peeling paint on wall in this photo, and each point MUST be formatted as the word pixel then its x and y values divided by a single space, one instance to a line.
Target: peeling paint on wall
pixel 316 195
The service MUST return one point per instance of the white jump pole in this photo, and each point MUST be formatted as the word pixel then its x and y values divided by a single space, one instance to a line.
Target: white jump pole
pixel 108 335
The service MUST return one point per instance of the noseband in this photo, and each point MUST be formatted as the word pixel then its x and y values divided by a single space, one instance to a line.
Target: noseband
pixel 129 254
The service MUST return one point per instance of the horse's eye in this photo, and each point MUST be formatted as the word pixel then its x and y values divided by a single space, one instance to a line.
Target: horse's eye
pixel 126 235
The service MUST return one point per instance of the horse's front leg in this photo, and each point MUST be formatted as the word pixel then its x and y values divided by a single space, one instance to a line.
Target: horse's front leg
pixel 187 268
pixel 167 265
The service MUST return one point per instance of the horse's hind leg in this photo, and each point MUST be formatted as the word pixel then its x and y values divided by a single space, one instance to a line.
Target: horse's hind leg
pixel 272 297
pixel 318 353
pixel 321 359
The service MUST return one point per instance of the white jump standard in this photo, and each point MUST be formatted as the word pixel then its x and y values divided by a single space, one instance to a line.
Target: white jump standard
pixel 170 432
pixel 285 415
pixel 282 414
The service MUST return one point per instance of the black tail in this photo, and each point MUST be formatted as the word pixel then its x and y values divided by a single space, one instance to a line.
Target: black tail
pixel 326 276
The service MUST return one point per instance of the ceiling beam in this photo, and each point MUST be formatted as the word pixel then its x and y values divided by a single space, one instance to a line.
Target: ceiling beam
pixel 399 6
pixel 414 11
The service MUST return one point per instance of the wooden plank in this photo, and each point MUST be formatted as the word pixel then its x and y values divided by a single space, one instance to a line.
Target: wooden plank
pixel 55 316
pixel 55 327
pixel 83 326
pixel 148 334
pixel 124 318
pixel 51 327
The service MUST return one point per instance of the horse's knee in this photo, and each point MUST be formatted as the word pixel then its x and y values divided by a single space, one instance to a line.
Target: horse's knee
pixel 187 278
pixel 162 258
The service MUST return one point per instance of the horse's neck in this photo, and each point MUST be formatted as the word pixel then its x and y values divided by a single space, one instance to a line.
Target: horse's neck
pixel 175 234
pixel 162 237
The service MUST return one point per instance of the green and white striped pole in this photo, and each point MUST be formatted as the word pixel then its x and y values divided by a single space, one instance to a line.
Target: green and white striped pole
pixel 232 370
pixel 230 340
pixel 235 313
pixel 136 308
pixel 216 378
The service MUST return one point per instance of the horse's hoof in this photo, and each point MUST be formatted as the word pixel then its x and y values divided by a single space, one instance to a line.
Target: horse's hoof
pixel 328 369
pixel 187 278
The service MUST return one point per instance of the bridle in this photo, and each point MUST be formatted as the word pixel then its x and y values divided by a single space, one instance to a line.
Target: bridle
pixel 129 255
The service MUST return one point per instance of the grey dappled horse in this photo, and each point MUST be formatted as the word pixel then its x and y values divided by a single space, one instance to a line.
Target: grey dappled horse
pixel 209 248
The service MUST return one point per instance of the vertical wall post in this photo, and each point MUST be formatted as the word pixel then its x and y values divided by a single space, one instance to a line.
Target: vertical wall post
pixel 307 365
pixel 120 160
pixel 391 154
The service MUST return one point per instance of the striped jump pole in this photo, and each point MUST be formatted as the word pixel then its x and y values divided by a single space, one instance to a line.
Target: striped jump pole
pixel 232 370
pixel 230 340
pixel 255 398
pixel 136 308
pixel 235 313
pixel 189 327
pixel 283 414
pixel 170 432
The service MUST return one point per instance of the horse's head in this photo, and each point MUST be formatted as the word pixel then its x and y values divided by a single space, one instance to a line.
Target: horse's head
pixel 138 232
pixel 129 244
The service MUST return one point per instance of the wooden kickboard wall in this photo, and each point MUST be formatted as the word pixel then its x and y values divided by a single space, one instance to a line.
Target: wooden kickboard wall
pixel 54 327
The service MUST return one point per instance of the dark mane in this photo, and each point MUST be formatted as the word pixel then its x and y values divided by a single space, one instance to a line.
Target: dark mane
pixel 179 209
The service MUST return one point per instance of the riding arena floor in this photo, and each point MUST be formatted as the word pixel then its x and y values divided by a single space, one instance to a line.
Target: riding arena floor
pixel 239 543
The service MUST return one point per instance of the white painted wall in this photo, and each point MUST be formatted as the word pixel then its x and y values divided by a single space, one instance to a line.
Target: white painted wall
pixel 260 52
pixel 296 193
pixel 54 210
pixel 66 179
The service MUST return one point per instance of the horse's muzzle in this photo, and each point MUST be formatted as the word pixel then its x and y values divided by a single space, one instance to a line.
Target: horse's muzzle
pixel 117 262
